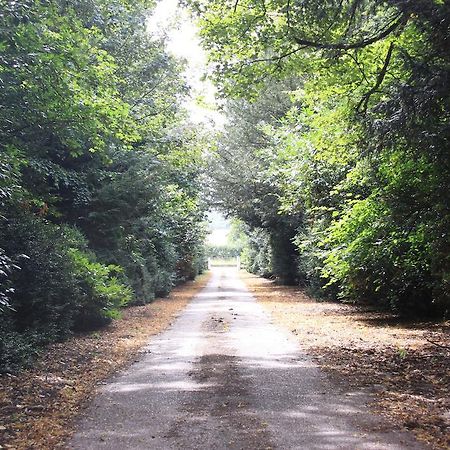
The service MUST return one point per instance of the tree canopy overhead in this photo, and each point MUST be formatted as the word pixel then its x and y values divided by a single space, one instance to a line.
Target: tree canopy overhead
pixel 358 164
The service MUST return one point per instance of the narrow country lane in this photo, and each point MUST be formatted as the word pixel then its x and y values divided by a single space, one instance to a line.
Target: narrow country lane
pixel 224 377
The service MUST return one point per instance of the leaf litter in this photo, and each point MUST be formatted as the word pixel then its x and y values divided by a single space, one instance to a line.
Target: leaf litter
pixel 404 364
pixel 38 407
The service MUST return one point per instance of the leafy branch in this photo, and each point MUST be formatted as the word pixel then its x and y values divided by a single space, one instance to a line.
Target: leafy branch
pixel 382 74
pixel 400 20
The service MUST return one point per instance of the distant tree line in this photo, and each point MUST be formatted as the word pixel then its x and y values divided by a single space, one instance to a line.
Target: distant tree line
pixel 336 152
pixel 99 170
pixel 222 251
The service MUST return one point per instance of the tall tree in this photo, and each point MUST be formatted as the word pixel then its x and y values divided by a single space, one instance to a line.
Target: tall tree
pixel 99 170
pixel 365 159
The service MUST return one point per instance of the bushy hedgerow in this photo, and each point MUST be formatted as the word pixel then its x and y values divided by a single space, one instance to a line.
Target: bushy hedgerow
pixel 388 247
pixel 222 251
pixel 56 288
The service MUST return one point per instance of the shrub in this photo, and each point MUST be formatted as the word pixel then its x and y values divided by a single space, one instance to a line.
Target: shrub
pixel 256 255
pixel 222 251
pixel 101 294
pixel 45 296
pixel 54 289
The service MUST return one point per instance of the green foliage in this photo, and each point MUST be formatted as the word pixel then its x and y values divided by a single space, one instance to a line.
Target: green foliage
pixel 256 255
pixel 388 252
pixel 144 222
pixel 222 251
pixel 99 173
pixel 244 183
pixel 7 266
pixel 45 295
pixel 16 349
pixel 355 165
pixel 101 293
pixel 56 288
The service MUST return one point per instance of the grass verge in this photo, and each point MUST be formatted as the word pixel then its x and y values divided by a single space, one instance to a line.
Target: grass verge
pixel 405 365
pixel 38 407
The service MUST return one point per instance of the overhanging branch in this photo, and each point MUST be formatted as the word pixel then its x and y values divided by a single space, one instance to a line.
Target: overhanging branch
pixel 365 100
pixel 399 20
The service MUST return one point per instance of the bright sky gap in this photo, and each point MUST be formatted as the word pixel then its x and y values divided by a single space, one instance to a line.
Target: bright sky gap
pixel 176 25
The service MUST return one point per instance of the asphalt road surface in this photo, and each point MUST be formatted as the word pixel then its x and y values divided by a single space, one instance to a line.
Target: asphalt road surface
pixel 223 376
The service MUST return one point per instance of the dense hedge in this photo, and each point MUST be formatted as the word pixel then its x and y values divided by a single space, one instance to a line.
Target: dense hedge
pixel 99 173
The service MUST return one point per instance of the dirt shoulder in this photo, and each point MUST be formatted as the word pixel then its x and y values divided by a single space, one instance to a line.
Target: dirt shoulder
pixel 38 406
pixel 405 365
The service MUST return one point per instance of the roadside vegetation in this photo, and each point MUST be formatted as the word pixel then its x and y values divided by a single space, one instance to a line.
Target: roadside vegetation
pixel 99 170
pixel 336 151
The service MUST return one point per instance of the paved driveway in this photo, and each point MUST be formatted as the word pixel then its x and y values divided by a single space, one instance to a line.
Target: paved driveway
pixel 224 377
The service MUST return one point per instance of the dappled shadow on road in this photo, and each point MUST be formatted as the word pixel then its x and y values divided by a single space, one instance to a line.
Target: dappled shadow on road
pixel 221 401
pixel 223 377
pixel 405 364
pixel 218 407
